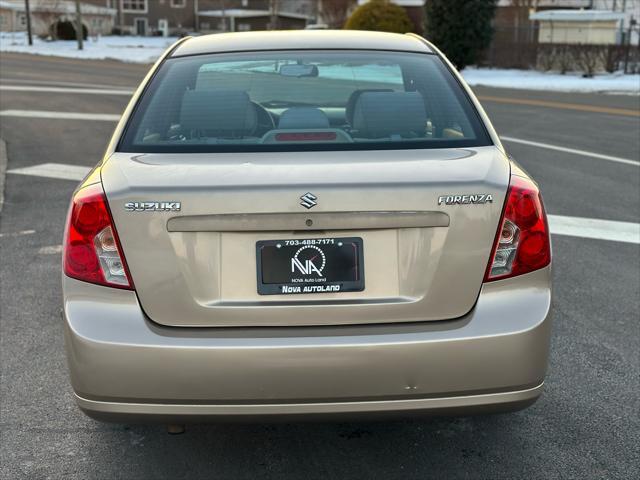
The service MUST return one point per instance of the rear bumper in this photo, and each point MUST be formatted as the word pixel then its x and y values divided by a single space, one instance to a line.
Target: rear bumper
pixel 126 368
pixel 182 413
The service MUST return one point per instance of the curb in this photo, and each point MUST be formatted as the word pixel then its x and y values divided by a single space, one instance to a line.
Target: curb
pixel 3 169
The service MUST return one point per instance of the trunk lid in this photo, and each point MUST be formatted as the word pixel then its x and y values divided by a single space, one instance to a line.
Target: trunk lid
pixel 197 266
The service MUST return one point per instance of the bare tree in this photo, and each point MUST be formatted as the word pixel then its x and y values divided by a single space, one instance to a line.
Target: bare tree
pixel 335 12
pixel 523 26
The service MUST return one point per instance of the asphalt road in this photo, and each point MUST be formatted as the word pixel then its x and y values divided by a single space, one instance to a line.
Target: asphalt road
pixel 586 425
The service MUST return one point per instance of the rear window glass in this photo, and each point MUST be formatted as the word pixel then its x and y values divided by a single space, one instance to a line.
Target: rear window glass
pixel 303 100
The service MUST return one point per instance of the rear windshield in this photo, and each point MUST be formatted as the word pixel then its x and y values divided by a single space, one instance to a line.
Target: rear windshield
pixel 303 100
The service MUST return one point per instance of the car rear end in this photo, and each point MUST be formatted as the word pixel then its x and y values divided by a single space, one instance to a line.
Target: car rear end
pixel 325 231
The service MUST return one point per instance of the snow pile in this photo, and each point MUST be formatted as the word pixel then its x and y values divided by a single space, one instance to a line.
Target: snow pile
pixel 125 48
pixel 570 82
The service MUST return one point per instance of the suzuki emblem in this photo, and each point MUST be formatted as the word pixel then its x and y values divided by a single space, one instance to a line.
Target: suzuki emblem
pixel 308 200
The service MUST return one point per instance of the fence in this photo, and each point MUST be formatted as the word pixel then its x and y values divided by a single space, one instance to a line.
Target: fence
pixel 518 48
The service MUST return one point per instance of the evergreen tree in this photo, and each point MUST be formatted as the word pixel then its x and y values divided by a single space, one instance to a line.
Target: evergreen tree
pixel 460 28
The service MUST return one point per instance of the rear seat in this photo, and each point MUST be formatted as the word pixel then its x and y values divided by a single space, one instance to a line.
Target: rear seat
pixel 218 113
pixel 389 115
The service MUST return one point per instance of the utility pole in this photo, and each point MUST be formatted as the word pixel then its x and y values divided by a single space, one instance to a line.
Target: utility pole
pixel 28 14
pixel 196 19
pixel 273 7
pixel 632 22
pixel 120 16
pixel 79 30
pixel 224 16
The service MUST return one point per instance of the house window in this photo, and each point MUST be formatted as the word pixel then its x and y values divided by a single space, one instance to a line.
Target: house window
pixel 138 6
pixel 178 3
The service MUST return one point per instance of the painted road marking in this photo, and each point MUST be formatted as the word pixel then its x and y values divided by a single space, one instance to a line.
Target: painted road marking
pixel 18 234
pixel 104 117
pixel 574 151
pixel 100 89
pixel 626 232
pixel 597 229
pixel 561 105
pixel 54 170
pixel 86 91
pixel 50 250
pixel 49 83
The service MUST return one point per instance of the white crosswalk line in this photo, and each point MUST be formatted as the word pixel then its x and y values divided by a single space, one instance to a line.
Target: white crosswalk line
pixel 574 151
pixel 105 117
pixel 86 91
pixel 593 228
pixel 53 170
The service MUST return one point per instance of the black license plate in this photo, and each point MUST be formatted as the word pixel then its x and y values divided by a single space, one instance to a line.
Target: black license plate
pixel 310 265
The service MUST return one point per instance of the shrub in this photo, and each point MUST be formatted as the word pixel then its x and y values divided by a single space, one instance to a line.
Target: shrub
pixel 380 15
pixel 460 28
pixel 66 30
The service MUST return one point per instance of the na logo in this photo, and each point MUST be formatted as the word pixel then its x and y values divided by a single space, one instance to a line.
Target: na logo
pixel 307 262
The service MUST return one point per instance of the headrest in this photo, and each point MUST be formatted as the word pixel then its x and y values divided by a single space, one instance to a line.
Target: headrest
pixel 353 98
pixel 303 117
pixel 383 114
pixel 223 111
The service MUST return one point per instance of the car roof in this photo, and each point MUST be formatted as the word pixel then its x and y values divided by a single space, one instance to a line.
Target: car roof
pixel 300 39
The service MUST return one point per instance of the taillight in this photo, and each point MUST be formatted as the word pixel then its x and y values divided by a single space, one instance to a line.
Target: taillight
pixel 522 243
pixel 92 251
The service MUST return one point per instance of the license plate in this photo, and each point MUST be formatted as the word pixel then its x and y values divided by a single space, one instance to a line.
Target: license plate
pixel 311 265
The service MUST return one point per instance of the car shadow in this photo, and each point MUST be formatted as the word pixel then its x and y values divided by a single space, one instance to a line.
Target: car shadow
pixel 442 447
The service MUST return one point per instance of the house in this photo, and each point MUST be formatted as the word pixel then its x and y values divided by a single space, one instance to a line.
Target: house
pixel 180 17
pixel 152 17
pixel 47 15
pixel 248 15
pixel 587 27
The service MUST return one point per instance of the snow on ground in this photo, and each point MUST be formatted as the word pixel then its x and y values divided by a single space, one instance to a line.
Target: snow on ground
pixel 570 82
pixel 126 49
pixel 148 49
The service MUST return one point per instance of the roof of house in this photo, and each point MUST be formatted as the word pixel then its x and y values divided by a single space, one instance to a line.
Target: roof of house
pixel 301 39
pixel 577 16
pixel 57 6
pixel 247 13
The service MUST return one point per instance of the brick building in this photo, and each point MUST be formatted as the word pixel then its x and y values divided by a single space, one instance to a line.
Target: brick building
pixel 179 17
